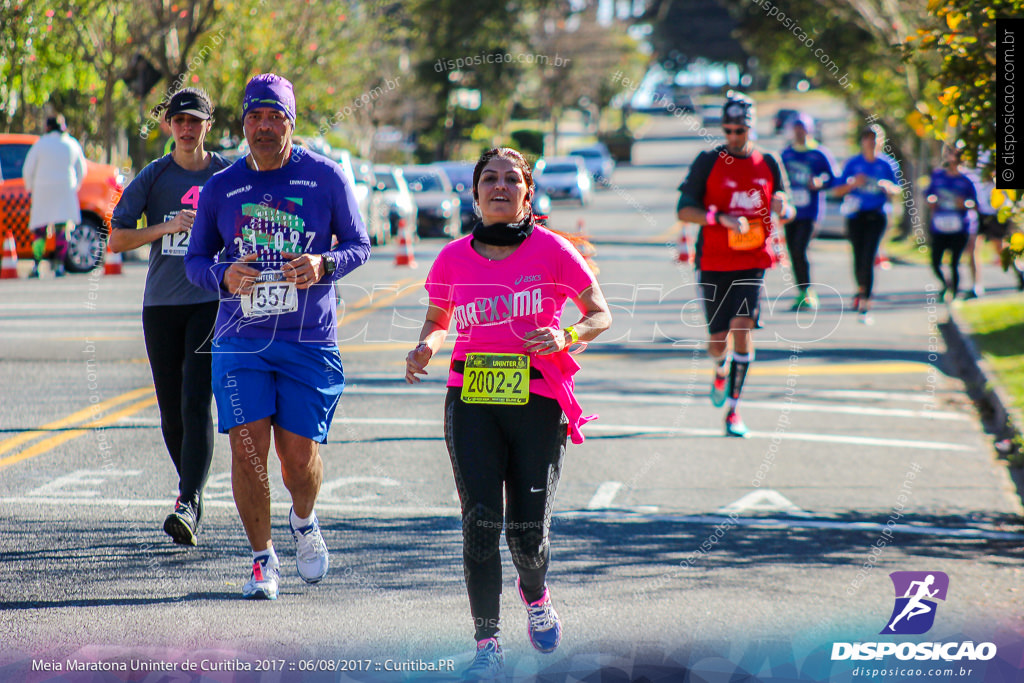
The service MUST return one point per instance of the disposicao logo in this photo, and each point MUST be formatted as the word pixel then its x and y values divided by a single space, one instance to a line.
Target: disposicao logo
pixel 916 595
pixel 913 614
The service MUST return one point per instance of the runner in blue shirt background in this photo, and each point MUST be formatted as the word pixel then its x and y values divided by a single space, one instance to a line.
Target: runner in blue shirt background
pixel 868 180
pixel 810 169
pixel 952 197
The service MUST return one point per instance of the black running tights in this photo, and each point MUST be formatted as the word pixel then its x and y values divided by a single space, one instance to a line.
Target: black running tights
pixel 517 449
pixel 178 345
pixel 955 244
pixel 864 230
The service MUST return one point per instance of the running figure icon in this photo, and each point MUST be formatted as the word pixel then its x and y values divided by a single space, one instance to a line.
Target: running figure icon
pixel 916 595
pixel 915 606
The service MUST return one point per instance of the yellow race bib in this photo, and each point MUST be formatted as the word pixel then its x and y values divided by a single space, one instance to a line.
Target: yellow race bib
pixel 502 378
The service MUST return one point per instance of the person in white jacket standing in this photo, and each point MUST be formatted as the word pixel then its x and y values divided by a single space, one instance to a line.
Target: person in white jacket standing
pixel 54 171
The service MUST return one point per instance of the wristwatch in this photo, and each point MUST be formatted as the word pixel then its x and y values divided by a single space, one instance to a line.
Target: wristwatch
pixel 330 264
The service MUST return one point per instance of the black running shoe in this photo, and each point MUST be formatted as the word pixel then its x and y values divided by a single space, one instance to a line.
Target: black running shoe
pixel 182 525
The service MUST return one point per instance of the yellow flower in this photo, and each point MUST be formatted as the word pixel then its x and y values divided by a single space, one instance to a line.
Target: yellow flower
pixel 1017 242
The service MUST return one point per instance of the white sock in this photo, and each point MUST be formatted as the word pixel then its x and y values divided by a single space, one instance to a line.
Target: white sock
pixel 299 522
pixel 721 363
pixel 268 553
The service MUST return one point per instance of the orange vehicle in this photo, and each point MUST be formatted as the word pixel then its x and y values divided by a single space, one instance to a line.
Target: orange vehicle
pixel 99 195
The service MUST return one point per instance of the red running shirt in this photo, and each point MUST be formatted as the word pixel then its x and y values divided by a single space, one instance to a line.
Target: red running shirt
pixel 739 187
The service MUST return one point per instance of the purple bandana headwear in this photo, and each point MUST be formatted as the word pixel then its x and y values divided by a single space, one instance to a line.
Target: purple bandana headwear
pixel 269 90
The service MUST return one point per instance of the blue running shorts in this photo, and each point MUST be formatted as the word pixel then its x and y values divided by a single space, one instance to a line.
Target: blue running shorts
pixel 296 383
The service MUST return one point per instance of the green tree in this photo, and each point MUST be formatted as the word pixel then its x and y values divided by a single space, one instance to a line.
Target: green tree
pixel 35 70
pixel 956 51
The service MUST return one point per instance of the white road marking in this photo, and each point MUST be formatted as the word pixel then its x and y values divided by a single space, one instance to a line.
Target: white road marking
pixel 61 486
pixel 676 399
pixel 762 500
pixel 860 394
pixel 604 495
pixel 328 488
pixel 282 507
pixel 694 431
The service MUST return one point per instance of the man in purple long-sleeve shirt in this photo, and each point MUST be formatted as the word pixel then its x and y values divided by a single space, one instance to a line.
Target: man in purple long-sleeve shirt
pixel 272 233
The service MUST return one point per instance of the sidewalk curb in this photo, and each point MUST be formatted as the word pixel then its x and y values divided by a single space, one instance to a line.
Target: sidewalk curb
pixel 999 416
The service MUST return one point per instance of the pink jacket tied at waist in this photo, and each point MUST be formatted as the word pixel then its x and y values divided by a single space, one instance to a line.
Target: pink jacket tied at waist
pixel 558 369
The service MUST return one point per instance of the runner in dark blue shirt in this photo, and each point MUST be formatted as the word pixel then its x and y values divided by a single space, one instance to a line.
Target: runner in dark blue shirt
pixel 952 197
pixel 810 169
pixel 273 233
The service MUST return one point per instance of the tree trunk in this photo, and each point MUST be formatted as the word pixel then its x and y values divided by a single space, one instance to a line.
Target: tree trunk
pixel 108 116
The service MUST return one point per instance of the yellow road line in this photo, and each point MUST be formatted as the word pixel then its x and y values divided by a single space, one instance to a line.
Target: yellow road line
pixel 882 368
pixel 57 439
pixel 84 414
pixel 391 298
pixel 362 310
pixel 369 297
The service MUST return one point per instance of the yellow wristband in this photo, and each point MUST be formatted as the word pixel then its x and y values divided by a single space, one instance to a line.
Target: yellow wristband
pixel 572 334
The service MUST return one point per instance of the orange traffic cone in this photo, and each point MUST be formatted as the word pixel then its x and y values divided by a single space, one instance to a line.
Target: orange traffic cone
pixel 9 264
pixel 112 264
pixel 404 255
pixel 882 261
pixel 684 255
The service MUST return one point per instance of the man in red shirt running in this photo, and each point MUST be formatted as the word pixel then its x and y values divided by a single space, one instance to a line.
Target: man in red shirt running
pixel 732 192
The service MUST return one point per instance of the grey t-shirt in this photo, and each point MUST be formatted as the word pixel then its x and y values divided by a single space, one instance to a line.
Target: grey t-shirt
pixel 160 191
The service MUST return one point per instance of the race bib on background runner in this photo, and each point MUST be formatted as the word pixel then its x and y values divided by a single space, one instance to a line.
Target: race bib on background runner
pixel 948 223
pixel 175 244
pixel 751 239
pixel 800 197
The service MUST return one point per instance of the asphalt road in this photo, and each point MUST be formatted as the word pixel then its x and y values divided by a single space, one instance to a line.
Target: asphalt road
pixel 675 549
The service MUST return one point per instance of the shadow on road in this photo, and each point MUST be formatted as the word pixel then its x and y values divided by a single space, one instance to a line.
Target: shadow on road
pixel 390 556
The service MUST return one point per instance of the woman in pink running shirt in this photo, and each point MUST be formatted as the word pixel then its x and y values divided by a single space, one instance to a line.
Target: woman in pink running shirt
pixel 510 404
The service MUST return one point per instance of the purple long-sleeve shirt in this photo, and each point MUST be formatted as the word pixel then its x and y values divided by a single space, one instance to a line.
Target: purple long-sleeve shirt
pixel 302 207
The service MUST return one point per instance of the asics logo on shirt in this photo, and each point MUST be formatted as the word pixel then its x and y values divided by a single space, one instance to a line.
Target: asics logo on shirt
pixel 527 278
pixel 746 200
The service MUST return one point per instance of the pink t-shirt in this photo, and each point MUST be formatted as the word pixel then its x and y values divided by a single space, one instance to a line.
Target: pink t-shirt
pixel 494 304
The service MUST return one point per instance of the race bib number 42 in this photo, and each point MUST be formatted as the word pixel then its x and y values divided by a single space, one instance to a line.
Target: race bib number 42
pixel 270 295
pixel 496 378
pixel 175 244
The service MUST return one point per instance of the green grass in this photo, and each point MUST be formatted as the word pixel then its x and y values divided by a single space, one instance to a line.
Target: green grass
pixel 997 326
pixel 908 251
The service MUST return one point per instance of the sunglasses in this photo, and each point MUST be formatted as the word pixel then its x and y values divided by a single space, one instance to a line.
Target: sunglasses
pixel 735 131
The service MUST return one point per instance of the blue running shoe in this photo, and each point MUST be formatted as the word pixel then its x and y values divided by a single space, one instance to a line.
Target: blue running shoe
pixel 489 662
pixel 734 425
pixel 262 583
pixel 310 550
pixel 718 391
pixel 542 624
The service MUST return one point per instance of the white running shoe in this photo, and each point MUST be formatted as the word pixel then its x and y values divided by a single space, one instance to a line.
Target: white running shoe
pixel 488 664
pixel 262 583
pixel 311 557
